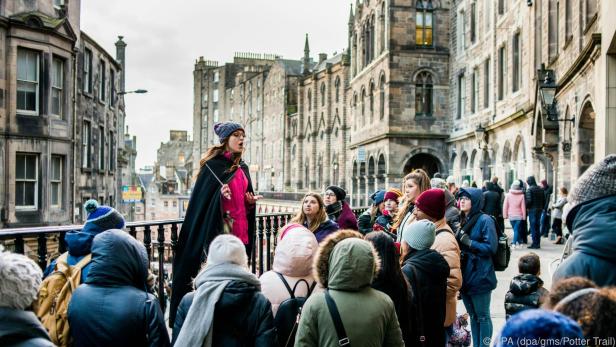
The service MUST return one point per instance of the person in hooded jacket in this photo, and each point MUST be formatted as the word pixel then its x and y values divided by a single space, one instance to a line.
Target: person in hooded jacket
pixel 427 272
pixel 492 204
pixel 338 210
pixel 112 308
pixel 312 215
pixel 557 213
pixel 20 279
pixel 345 266
pixel 430 205
pixel 391 281
pixel 293 257
pixel 526 289
pixel 591 218
pixel 79 243
pixel 478 243
pixel 535 203
pixel 514 209
pixel 227 307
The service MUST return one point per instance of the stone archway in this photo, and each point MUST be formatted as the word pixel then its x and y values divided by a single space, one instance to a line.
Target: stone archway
pixel 586 138
pixel 427 162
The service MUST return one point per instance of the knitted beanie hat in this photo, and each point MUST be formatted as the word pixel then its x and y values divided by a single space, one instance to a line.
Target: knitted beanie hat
pixel 451 180
pixel 20 279
pixel 225 129
pixel 438 183
pixel 419 234
pixel 432 203
pixel 391 196
pixel 598 181
pixel 227 248
pixel 378 197
pixel 339 192
pixel 101 218
pixel 540 325
pixel 516 185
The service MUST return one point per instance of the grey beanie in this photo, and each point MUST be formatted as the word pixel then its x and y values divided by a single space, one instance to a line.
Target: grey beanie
pixel 598 181
pixel 225 129
pixel 20 279
pixel 419 234
pixel 227 248
pixel 516 185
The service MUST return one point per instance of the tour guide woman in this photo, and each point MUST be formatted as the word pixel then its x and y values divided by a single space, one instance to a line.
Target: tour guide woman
pixel 222 201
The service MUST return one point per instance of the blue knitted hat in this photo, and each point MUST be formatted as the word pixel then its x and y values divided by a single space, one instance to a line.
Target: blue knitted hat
pixel 378 197
pixel 225 129
pixel 540 325
pixel 101 218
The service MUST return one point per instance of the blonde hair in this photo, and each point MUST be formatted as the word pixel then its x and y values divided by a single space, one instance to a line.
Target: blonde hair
pixel 321 216
pixel 422 180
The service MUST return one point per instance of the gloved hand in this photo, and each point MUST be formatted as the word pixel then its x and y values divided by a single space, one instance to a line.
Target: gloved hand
pixel 465 240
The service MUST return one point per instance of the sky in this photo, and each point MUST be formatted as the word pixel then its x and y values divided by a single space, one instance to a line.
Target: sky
pixel 165 38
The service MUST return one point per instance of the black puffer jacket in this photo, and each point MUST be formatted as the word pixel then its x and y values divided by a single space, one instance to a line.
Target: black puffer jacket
pixel 534 195
pixel 112 308
pixel 21 329
pixel 427 272
pixel 525 292
pixel 242 317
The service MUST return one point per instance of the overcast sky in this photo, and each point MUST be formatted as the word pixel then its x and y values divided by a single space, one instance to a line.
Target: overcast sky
pixel 165 38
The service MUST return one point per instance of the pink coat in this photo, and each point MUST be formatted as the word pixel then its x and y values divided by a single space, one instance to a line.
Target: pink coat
pixel 514 207
pixel 293 259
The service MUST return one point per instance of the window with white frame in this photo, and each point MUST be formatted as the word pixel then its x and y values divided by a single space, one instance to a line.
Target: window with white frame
pixel 473 22
pixel 85 145
pixel 87 71
pixel 461 95
pixel 102 93
pixel 26 181
pixel 460 32
pixel 515 73
pixel 57 87
pixel 56 180
pixel 486 83
pixel 502 61
pixel 27 81
pixel 474 90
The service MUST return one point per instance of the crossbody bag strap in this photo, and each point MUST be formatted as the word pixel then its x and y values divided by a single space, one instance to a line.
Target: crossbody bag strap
pixel 311 288
pixel 343 339
pixel 420 321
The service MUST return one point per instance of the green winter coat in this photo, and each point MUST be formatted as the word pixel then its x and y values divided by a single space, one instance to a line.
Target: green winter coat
pixel 346 265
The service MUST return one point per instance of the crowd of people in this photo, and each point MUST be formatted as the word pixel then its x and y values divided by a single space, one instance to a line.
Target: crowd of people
pixel 391 277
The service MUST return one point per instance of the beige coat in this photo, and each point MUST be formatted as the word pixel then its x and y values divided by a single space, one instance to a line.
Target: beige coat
pixel 446 244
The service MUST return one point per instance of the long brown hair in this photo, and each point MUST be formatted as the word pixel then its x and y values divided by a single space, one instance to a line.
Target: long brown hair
pixel 422 180
pixel 321 216
pixel 218 150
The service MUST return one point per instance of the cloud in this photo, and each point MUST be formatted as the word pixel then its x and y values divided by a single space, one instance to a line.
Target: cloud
pixel 166 37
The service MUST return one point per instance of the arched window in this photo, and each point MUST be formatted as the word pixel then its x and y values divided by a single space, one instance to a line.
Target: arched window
pixel 382 27
pixel 322 94
pixel 423 94
pixel 424 23
pixel 337 86
pixel 382 97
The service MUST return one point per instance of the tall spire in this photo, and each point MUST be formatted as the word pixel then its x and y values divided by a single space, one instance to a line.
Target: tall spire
pixel 306 56
pixel 351 16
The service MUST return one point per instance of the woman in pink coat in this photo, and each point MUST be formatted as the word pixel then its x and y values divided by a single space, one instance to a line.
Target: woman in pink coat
pixel 514 209
pixel 293 257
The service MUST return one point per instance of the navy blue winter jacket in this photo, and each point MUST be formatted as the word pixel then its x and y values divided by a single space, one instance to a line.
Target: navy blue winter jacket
pixel 594 241
pixel 112 307
pixel 478 276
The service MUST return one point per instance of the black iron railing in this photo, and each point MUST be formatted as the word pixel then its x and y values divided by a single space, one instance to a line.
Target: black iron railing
pixel 159 237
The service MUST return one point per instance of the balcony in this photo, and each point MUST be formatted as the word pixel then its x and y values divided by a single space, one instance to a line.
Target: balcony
pixel 46 243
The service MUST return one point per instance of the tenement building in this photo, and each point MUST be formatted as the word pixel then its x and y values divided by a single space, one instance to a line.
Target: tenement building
pixel 530 88
pixel 60 115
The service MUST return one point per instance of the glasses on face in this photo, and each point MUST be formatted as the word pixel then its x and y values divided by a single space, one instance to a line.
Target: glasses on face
pixel 329 194
pixel 464 198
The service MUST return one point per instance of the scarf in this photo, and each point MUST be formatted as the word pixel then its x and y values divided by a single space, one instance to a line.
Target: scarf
pixel 334 209
pixel 210 283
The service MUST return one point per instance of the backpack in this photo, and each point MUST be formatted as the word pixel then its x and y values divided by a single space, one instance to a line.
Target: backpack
pixel 51 306
pixel 289 312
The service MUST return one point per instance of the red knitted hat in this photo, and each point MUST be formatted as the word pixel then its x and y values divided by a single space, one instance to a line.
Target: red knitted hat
pixel 432 203
pixel 391 196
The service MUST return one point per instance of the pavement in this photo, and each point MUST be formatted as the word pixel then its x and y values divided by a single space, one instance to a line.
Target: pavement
pixel 550 255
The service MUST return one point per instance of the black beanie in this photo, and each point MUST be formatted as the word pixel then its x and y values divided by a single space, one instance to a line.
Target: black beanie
pixel 340 193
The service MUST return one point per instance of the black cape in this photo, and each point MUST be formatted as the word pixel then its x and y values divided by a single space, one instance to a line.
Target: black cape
pixel 202 223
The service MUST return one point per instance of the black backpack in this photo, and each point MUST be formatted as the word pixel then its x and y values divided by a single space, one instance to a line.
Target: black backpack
pixel 503 250
pixel 289 312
